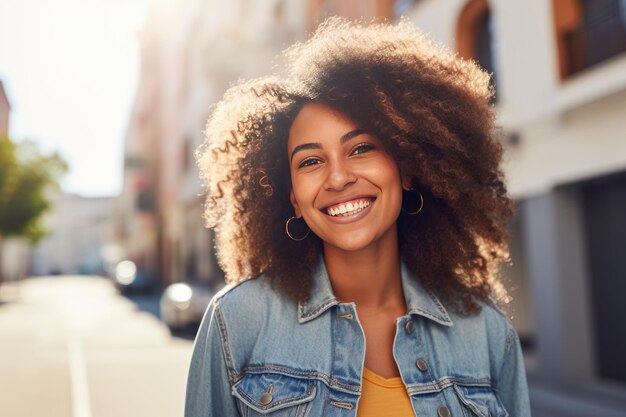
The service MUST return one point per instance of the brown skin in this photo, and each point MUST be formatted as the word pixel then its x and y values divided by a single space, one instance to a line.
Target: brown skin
pixel 361 255
pixel 328 172
pixel 376 289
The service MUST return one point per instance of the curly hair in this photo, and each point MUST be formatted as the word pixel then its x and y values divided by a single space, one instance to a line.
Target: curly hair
pixel 432 111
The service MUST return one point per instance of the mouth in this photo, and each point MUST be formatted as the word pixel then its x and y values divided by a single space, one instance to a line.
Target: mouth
pixel 349 208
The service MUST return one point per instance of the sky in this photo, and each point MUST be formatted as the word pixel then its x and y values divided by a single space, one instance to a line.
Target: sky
pixel 70 70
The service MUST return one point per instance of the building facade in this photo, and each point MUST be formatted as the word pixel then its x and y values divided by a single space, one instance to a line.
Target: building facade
pixel 184 71
pixel 13 252
pixel 559 71
pixel 79 230
pixel 5 110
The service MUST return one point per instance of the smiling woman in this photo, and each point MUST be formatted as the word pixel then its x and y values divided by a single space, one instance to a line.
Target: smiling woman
pixel 345 178
pixel 361 217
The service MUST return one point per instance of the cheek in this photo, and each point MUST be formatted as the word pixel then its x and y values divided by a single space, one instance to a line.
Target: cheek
pixel 390 182
pixel 387 176
pixel 303 192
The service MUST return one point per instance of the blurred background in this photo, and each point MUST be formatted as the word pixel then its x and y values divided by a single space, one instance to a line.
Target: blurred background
pixel 106 268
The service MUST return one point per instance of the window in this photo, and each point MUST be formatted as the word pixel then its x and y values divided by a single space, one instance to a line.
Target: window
pixel 476 37
pixel 588 32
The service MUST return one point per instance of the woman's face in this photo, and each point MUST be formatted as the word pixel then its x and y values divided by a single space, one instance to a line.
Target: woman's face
pixel 344 184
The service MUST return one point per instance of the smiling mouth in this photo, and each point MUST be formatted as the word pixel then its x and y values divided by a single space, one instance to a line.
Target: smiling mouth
pixel 349 208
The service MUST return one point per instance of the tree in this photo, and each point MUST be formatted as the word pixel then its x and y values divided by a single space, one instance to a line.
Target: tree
pixel 25 174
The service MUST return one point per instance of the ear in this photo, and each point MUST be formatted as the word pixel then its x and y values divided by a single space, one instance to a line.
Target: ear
pixel 294 203
pixel 407 183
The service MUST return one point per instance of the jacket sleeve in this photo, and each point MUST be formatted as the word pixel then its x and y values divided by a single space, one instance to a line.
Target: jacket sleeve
pixel 511 384
pixel 208 387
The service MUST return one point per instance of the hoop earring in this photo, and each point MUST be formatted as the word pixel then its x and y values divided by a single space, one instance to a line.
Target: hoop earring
pixel 413 213
pixel 290 235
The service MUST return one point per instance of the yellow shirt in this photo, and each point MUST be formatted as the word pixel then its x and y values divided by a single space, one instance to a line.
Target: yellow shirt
pixel 383 397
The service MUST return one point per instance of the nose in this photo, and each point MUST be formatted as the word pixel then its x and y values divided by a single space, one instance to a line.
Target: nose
pixel 339 176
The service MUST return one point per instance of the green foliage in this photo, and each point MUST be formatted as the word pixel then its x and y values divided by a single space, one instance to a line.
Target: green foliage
pixel 25 174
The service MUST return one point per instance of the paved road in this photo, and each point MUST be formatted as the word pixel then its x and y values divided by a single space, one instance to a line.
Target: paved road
pixel 73 347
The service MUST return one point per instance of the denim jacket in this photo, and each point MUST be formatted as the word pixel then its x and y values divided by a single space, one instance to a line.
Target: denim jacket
pixel 258 353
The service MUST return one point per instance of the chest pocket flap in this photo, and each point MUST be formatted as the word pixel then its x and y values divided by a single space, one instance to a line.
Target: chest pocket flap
pixel 482 402
pixel 268 392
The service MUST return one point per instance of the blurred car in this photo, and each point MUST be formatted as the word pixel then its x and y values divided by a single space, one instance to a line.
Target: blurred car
pixel 128 279
pixel 183 304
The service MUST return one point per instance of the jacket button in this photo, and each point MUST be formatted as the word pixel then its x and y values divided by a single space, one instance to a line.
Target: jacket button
pixel 408 326
pixel 443 412
pixel 421 365
pixel 266 398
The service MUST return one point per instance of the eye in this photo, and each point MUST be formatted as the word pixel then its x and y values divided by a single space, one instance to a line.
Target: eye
pixel 362 148
pixel 308 162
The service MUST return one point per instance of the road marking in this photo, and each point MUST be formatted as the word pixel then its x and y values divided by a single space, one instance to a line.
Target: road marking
pixel 78 378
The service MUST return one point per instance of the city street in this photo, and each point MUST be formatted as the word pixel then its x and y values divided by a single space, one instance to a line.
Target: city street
pixel 73 347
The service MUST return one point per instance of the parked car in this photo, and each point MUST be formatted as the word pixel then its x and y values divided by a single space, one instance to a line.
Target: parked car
pixel 183 304
pixel 129 279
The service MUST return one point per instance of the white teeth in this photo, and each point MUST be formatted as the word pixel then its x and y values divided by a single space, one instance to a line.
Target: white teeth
pixel 348 209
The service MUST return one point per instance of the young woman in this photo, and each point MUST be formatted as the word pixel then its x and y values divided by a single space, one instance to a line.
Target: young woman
pixel 362 191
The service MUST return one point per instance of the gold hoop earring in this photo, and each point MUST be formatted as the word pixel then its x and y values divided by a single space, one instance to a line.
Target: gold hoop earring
pixel 413 213
pixel 289 234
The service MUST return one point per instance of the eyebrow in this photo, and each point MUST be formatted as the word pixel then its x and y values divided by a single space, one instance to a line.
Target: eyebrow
pixel 316 145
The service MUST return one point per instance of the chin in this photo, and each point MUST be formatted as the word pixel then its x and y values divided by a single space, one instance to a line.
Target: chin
pixel 349 244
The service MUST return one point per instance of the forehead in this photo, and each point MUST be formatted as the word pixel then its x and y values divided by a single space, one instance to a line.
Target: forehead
pixel 316 122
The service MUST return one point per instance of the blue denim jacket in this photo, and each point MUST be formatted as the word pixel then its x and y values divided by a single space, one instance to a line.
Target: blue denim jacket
pixel 258 353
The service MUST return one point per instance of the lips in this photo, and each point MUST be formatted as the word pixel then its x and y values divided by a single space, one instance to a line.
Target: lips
pixel 349 207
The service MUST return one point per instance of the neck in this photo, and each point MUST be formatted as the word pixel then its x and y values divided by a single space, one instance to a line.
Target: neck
pixel 369 277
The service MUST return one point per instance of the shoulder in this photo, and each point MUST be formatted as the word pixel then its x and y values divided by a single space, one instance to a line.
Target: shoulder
pixel 251 288
pixel 491 324
pixel 490 334
pixel 497 320
pixel 254 321
pixel 251 300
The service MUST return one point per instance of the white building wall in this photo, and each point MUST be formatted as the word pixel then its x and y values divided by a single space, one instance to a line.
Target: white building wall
pixel 79 228
pixel 568 131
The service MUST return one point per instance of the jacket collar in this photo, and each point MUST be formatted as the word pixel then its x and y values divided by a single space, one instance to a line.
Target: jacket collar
pixel 419 300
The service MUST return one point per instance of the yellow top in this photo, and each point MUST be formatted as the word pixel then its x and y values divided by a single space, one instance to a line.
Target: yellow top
pixel 383 397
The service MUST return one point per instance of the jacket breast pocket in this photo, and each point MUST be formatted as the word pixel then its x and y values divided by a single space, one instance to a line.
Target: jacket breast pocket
pixel 274 395
pixel 479 402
